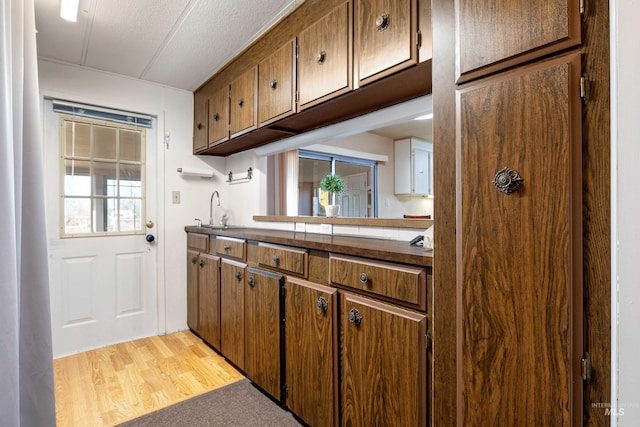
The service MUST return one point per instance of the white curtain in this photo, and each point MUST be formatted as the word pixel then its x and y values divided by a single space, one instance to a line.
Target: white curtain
pixel 26 364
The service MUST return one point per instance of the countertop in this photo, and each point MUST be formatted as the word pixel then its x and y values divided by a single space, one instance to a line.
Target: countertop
pixel 381 249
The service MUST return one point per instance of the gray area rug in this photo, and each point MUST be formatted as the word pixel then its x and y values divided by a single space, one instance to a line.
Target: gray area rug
pixel 238 404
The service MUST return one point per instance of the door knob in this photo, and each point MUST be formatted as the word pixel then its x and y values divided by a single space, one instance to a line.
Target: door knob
pixel 150 224
pixel 150 238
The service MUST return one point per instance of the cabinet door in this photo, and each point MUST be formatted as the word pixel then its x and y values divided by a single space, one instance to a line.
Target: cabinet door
pixel 276 85
pixel 520 30
pixel 200 134
pixel 519 254
pixel 385 37
pixel 192 290
pixel 384 363
pixel 263 330
pixel 209 299
pixel 324 66
pixel 243 109
pixel 232 312
pixel 311 351
pixel 219 116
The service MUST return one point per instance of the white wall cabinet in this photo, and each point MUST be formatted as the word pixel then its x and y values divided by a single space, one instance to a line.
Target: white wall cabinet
pixel 413 159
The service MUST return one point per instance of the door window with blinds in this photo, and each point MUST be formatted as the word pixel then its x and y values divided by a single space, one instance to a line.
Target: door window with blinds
pixel 103 178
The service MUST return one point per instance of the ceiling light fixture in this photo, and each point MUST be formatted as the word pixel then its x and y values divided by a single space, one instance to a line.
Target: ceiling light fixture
pixel 425 117
pixel 69 10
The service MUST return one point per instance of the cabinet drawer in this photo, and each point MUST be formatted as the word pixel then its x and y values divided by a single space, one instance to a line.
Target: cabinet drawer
pixel 399 282
pixel 230 247
pixel 284 258
pixel 198 241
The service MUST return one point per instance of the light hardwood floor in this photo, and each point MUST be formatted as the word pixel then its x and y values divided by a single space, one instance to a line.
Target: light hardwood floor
pixel 113 384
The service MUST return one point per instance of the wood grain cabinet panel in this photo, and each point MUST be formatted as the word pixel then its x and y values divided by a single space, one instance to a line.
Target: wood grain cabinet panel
pixel 232 314
pixel 243 108
pixel 519 255
pixel 209 299
pixel 385 37
pixel 284 258
pixel 219 116
pixel 403 283
pixel 383 364
pixel 277 85
pixel 193 257
pixel 311 312
pixel 495 35
pixel 324 53
pixel 263 329
pixel 200 124
pixel 231 247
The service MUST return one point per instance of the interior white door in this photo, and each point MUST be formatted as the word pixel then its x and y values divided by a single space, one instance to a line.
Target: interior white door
pixel 353 201
pixel 103 288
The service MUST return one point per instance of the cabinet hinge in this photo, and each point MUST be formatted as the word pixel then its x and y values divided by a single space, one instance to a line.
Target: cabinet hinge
pixel 585 363
pixel 583 88
pixel 284 291
pixel 581 8
pixel 297 96
pixel 427 337
pixel 419 39
pixel 285 391
pixel 297 51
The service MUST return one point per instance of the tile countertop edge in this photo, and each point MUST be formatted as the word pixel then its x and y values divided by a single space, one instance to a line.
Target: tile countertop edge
pixel 380 249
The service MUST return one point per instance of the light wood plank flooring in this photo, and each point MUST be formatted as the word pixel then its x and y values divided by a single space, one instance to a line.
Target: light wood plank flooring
pixel 113 384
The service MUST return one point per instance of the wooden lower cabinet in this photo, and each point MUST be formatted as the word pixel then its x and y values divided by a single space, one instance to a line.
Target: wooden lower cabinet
pixel 311 352
pixel 232 314
pixel 192 289
pixel 203 290
pixel 383 359
pixel 263 330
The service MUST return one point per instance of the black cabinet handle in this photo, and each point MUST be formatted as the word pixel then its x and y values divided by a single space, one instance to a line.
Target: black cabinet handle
pixel 251 281
pixel 321 57
pixel 382 22
pixel 322 304
pixel 354 316
pixel 363 278
pixel 240 102
pixel 216 117
pixel 238 275
pixel 201 263
pixel 273 84
pixel 507 180
pixel 194 260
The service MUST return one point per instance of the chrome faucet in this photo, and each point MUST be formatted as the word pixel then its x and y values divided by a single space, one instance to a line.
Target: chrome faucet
pixel 215 193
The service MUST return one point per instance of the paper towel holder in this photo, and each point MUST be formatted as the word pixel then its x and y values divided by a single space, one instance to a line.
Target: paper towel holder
pixel 202 173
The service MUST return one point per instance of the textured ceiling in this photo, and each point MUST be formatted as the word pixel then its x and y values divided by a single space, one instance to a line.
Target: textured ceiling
pixel 178 43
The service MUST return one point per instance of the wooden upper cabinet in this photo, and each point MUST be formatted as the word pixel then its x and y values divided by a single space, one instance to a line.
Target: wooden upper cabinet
pixel 277 85
pixel 219 116
pixel 243 108
pixel 495 35
pixel 519 251
pixel 200 112
pixel 385 37
pixel 324 53
pixel 425 44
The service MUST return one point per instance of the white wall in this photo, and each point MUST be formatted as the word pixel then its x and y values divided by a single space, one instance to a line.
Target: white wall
pixel 174 111
pixel 626 206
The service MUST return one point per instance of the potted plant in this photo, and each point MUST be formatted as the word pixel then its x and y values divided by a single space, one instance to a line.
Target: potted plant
pixel 334 185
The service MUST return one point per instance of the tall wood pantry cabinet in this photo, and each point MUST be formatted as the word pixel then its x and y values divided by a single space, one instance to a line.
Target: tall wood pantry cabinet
pixel 509 102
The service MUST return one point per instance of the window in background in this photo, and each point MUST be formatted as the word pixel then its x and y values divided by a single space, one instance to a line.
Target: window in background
pixel 102 178
pixel 360 176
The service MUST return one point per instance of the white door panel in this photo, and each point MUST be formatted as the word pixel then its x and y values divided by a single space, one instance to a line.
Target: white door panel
pixel 103 289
